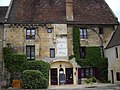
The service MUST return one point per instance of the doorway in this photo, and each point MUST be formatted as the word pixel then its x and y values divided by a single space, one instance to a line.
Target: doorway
pixel 54 76
pixel 69 75
pixel 112 74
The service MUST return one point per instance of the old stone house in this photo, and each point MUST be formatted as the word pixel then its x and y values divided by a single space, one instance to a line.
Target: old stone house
pixel 3 11
pixel 113 54
pixel 42 29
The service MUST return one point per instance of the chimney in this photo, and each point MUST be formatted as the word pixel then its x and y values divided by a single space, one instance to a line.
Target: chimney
pixel 69 10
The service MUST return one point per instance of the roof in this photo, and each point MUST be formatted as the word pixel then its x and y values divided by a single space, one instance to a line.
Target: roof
pixel 3 11
pixel 115 40
pixel 54 11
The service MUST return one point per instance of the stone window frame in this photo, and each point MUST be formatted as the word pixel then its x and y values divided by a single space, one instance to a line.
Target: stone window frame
pixel 32 50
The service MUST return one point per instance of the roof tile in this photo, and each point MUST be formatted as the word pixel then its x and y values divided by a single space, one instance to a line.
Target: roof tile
pixel 54 11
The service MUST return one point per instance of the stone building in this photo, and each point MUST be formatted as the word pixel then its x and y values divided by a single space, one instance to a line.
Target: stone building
pixel 2 17
pixel 113 54
pixel 42 29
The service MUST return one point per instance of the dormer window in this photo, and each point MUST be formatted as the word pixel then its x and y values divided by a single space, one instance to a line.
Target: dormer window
pixel 30 33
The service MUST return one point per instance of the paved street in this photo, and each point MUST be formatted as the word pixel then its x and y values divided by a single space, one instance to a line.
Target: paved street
pixel 79 87
pixel 84 87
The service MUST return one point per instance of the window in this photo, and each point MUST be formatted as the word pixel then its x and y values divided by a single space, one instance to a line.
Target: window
pixel 30 33
pixel 86 72
pixel 116 52
pixel 100 30
pixel 83 33
pixel 118 76
pixel 49 30
pixel 82 52
pixel 30 52
pixel 52 53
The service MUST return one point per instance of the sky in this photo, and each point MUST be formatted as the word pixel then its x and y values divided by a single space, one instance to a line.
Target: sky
pixel 114 5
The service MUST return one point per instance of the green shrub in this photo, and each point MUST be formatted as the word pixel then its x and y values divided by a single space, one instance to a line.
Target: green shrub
pixel 94 79
pixel 88 81
pixel 91 80
pixel 34 79
pixel 13 62
pixel 40 65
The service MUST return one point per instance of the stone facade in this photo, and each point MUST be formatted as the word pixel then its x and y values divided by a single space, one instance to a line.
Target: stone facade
pixel 16 36
pixel 43 41
pixel 60 39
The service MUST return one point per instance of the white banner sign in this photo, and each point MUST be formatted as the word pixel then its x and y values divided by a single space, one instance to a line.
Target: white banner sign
pixel 61 47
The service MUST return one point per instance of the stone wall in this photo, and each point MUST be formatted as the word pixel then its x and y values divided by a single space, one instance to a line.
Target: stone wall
pixel 16 36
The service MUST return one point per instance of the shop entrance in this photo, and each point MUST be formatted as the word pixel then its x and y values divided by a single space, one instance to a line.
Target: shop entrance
pixel 69 75
pixel 54 79
pixel 61 72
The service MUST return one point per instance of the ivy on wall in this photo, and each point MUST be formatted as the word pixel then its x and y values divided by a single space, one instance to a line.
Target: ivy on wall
pixel 76 42
pixel 93 56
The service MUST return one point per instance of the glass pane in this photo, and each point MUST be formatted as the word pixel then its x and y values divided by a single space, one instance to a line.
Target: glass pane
pixel 33 32
pixel 91 72
pixel 81 31
pixel 87 72
pixel 28 57
pixel 49 30
pixel 28 32
pixel 28 51
pixel 85 32
pixel 32 57
pixel 52 53
pixel 33 51
pixel 82 73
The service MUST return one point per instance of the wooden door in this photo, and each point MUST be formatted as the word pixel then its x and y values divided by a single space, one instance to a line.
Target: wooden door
pixel 54 76
pixel 69 75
